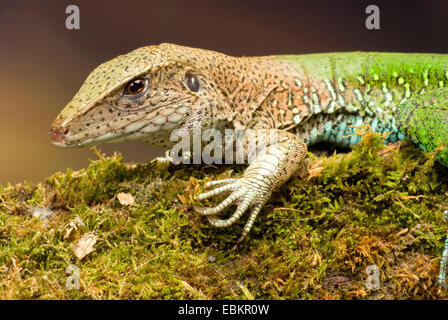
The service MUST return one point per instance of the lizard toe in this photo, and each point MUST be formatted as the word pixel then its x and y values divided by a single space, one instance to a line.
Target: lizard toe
pixel 220 207
pixel 217 191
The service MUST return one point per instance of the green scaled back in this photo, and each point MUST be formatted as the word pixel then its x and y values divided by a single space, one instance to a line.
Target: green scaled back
pixel 424 119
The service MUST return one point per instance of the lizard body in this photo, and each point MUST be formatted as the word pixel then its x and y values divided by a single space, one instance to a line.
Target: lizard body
pixel 152 91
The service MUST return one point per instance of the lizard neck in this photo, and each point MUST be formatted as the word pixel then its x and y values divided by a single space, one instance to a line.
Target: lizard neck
pixel 251 84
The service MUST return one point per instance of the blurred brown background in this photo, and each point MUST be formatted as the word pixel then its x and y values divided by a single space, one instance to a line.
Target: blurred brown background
pixel 42 64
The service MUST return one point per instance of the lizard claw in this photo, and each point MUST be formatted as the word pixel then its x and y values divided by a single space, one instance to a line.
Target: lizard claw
pixel 247 192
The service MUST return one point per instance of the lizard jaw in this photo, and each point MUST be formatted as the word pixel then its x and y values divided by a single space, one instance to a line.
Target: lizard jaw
pixel 60 144
pixel 65 141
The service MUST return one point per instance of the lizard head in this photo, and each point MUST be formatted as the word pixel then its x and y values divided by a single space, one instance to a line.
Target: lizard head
pixel 143 95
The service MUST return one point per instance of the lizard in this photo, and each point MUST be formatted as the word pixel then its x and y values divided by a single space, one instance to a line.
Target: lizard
pixel 303 99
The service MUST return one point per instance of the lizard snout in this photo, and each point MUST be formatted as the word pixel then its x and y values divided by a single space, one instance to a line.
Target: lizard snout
pixel 58 136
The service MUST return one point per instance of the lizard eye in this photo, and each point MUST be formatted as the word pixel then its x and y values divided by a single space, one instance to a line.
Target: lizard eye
pixel 192 82
pixel 135 87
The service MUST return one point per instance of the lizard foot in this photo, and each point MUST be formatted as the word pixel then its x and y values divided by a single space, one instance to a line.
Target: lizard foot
pixel 247 192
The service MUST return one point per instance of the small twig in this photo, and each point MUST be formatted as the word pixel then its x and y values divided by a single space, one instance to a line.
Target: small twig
pixel 100 156
pixel 289 209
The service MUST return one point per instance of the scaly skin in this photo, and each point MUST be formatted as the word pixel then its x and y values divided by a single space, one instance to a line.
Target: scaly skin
pixel 302 99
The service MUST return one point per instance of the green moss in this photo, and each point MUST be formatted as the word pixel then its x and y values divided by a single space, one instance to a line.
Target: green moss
pixel 313 240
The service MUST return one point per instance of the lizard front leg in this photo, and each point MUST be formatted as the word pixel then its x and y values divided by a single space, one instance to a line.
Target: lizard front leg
pixel 282 157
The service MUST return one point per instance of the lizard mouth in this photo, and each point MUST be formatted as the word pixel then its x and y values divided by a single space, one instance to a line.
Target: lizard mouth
pixel 63 139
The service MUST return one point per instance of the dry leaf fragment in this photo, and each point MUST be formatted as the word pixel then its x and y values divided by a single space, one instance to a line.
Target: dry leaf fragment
pixel 314 169
pixel 85 245
pixel 126 199
pixel 314 172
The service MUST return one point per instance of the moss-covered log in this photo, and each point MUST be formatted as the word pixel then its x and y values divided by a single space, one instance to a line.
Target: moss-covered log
pixel 375 205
